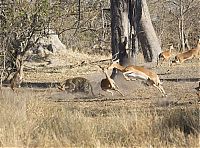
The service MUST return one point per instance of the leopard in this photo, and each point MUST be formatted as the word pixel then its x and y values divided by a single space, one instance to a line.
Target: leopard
pixel 76 84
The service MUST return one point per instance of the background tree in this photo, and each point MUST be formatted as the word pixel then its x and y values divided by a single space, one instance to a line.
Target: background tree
pixel 77 23
pixel 176 22
pixel 21 21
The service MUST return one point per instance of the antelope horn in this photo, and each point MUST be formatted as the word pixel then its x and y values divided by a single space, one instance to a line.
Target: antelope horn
pixel 115 57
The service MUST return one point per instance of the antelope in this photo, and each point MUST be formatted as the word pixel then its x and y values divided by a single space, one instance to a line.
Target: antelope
pixel 18 76
pixel 165 55
pixel 138 72
pixel 192 53
pixel 109 84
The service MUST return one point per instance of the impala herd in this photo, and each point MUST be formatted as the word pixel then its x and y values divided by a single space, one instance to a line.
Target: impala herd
pixel 148 76
pixel 130 73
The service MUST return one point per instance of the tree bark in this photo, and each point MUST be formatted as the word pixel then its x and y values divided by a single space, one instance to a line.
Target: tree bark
pixel 148 39
pixel 119 30
pixel 130 26
pixel 182 26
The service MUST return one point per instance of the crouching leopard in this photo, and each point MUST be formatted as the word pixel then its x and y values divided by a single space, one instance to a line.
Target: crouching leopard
pixel 77 84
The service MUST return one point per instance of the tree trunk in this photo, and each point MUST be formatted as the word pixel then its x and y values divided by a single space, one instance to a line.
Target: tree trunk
pixel 119 30
pixel 187 45
pixel 148 39
pixel 130 26
pixel 182 26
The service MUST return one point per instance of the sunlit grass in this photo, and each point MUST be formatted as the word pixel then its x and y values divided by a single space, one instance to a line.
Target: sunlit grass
pixel 32 120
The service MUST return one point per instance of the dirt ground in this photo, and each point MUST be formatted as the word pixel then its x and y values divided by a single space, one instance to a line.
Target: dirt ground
pixel 179 82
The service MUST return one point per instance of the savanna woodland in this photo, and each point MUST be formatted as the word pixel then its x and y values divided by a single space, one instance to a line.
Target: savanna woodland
pixel 99 73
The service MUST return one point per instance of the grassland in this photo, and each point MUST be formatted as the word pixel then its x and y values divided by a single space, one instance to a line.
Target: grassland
pixel 35 117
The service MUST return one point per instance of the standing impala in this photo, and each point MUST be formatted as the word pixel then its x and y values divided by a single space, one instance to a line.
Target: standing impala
pixel 192 53
pixel 137 72
pixel 165 55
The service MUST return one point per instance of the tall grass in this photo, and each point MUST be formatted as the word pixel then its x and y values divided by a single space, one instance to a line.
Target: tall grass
pixel 32 120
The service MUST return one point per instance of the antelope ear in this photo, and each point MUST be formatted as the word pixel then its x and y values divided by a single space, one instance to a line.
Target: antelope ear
pixel 100 66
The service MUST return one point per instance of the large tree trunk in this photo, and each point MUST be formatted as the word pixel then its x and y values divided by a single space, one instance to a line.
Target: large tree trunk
pixel 130 26
pixel 148 39
pixel 119 30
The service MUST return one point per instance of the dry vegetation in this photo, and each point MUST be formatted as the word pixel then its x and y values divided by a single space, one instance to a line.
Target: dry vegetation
pixel 32 120
pixel 36 117
pixel 39 115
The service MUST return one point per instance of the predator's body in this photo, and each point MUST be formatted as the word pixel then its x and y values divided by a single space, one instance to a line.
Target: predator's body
pixel 77 84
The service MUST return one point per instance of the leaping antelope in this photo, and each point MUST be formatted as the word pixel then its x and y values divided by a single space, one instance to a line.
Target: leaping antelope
pixel 137 72
pixel 192 53
pixel 109 84
pixel 165 55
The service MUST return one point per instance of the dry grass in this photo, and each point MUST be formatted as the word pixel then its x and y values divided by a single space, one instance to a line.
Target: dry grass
pixel 30 119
